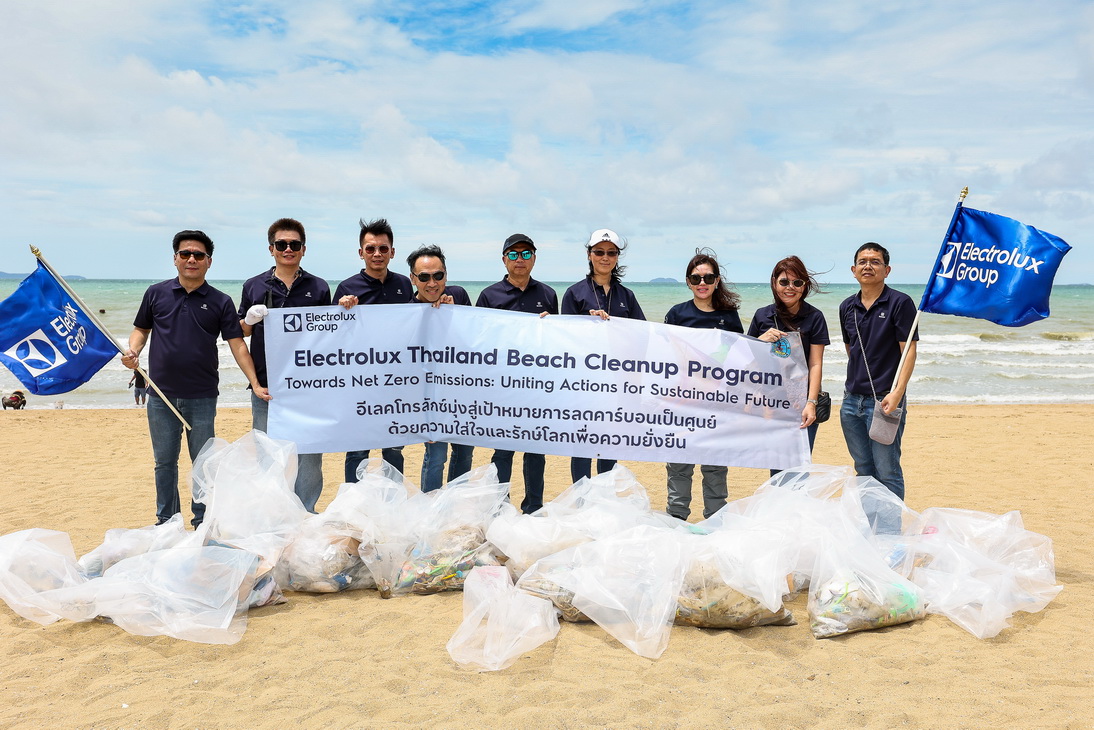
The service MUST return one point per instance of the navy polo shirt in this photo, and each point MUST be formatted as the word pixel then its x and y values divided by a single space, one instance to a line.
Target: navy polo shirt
pixel 458 293
pixel 585 295
pixel 686 314
pixel 537 297
pixel 809 323
pixel 182 352
pixel 883 327
pixel 394 289
pixel 306 291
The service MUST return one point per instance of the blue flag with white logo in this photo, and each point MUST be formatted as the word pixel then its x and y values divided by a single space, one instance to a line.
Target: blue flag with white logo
pixel 994 268
pixel 47 340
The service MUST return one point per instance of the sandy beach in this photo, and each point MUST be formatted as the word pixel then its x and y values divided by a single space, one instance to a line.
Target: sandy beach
pixel 355 660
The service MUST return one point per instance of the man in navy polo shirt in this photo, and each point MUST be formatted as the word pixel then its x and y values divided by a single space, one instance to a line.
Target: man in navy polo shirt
pixel 877 326
pixel 519 292
pixel 374 284
pixel 429 274
pixel 184 317
pixel 285 284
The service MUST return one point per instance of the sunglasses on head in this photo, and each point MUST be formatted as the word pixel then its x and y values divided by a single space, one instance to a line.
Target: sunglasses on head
pixel 796 283
pixel 435 276
pixel 514 255
pixel 294 245
pixel 187 253
pixel 382 248
pixel 610 253
pixel 695 279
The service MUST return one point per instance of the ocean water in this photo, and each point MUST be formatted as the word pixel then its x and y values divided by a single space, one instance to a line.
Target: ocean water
pixel 960 360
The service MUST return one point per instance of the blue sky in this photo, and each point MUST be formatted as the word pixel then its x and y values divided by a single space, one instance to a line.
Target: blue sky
pixel 756 129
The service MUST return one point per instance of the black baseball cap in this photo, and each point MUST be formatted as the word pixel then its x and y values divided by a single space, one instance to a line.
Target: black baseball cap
pixel 516 238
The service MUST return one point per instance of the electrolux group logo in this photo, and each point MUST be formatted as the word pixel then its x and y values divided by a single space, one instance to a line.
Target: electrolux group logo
pixel 949 260
pixel 294 323
pixel 37 353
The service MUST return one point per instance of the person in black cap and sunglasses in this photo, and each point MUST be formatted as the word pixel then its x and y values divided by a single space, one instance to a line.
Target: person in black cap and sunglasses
pixel 713 305
pixel 519 292
pixel 285 284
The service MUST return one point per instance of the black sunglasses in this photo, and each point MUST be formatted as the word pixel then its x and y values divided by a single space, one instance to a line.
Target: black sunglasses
pixel 704 278
pixel 514 255
pixel 294 245
pixel 381 248
pixel 796 283
pixel 187 253
pixel 610 253
pixel 435 276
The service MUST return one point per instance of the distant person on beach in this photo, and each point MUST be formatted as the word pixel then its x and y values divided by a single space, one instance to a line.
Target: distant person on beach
pixel 713 305
pixel 285 284
pixel 184 316
pixel 791 283
pixel 140 388
pixel 374 284
pixel 519 292
pixel 876 325
pixel 601 294
pixel 429 274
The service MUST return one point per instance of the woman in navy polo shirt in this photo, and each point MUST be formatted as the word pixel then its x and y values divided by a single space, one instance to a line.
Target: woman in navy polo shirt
pixel 791 283
pixel 601 294
pixel 713 305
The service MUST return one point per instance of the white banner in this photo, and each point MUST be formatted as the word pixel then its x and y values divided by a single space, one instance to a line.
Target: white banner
pixel 388 375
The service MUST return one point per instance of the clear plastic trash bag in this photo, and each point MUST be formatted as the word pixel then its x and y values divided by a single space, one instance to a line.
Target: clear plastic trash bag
pixel 32 562
pixel 524 539
pixel 323 558
pixel 121 543
pixel 500 623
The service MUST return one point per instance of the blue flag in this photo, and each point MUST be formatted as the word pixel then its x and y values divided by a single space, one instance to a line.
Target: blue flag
pixel 47 340
pixel 994 268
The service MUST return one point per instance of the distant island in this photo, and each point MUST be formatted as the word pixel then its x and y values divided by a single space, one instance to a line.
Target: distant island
pixel 664 280
pixel 68 277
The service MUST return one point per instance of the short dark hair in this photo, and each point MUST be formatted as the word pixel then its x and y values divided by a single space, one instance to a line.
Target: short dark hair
pixel 429 249
pixel 198 236
pixel 378 227
pixel 871 246
pixel 286 224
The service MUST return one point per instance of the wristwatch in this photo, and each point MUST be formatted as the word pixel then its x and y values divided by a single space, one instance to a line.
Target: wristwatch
pixel 812 400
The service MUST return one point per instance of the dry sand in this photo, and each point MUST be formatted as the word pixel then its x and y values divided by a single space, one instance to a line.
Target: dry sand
pixel 354 660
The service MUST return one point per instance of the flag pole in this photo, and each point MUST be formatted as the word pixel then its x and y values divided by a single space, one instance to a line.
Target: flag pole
pixel 102 328
pixel 915 321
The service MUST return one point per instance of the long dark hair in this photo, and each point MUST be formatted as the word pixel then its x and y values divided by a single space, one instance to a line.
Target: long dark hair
pixel 794 268
pixel 724 297
pixel 619 270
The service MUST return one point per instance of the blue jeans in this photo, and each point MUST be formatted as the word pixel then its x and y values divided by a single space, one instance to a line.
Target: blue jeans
pixel 533 467
pixel 871 458
pixel 309 467
pixel 393 456
pixel 433 463
pixel 582 467
pixel 166 432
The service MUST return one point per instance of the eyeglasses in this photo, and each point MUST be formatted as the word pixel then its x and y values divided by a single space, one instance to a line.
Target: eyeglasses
pixel 611 253
pixel 514 255
pixel 695 279
pixel 294 245
pixel 373 249
pixel 796 283
pixel 435 276
pixel 186 253
pixel 873 263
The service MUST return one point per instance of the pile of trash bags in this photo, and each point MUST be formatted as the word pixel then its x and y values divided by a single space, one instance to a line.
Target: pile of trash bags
pixel 597 553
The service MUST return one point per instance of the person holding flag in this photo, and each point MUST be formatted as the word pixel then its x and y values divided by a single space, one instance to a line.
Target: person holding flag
pixel 184 316
pixel 878 325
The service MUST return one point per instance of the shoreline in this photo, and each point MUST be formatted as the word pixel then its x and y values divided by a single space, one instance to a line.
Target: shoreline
pixel 353 659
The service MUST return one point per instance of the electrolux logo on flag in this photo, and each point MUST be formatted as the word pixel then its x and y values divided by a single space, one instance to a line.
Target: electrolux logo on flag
pixel 994 268
pixel 967 261
pixel 46 340
pixel 37 353
pixel 293 323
